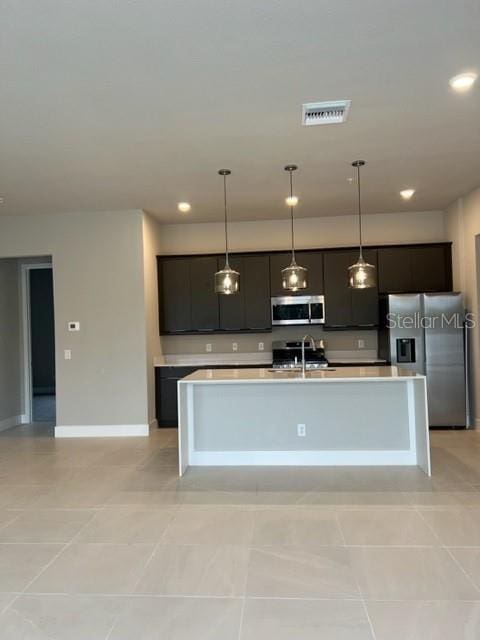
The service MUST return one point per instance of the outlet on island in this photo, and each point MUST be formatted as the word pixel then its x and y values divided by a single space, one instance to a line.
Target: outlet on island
pixel 361 344
pixel 208 347
pixel 261 346
pixel 234 346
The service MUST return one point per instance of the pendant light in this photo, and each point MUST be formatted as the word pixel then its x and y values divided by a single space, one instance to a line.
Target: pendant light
pixel 227 280
pixel 361 275
pixel 294 277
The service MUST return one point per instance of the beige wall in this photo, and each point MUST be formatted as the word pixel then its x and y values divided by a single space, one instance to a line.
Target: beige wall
pixel 463 229
pixel 98 280
pixel 151 248
pixel 10 380
pixel 426 226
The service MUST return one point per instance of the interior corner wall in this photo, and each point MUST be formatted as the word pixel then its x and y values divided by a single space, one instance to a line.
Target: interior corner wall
pixel 151 248
pixel 463 229
pixel 10 332
pixel 98 281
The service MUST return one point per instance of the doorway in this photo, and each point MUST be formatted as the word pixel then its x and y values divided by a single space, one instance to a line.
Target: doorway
pixel 39 340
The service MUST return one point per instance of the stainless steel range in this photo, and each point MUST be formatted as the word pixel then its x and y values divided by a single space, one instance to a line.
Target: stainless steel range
pixel 287 354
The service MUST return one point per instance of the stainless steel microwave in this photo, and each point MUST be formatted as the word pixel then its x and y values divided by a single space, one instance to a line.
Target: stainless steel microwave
pixel 298 310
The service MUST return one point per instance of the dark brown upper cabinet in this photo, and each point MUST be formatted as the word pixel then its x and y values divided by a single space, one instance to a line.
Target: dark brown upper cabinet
pixel 187 300
pixel 174 295
pixel 346 307
pixel 256 274
pixel 249 310
pixel 415 269
pixel 205 312
pixel 312 260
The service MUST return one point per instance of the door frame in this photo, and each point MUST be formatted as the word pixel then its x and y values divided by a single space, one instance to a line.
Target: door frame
pixel 27 335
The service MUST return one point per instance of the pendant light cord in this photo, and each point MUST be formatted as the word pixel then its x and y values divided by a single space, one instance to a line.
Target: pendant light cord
pixel 226 225
pixel 291 217
pixel 359 210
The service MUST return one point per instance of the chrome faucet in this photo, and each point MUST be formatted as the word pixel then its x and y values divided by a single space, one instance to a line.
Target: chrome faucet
pixel 312 344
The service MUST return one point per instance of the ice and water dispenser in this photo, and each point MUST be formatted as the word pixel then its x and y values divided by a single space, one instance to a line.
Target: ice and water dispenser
pixel 405 350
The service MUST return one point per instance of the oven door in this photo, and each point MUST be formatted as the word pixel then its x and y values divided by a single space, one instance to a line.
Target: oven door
pixel 291 310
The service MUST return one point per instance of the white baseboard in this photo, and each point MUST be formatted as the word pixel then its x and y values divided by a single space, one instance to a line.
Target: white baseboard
pixel 301 458
pixel 101 431
pixel 8 423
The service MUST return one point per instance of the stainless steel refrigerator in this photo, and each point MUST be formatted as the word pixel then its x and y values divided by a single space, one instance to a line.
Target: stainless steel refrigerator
pixel 425 332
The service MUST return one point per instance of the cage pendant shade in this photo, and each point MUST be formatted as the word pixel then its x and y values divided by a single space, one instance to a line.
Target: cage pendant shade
pixel 361 275
pixel 227 280
pixel 294 277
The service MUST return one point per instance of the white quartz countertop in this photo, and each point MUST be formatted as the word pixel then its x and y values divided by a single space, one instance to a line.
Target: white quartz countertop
pixel 343 374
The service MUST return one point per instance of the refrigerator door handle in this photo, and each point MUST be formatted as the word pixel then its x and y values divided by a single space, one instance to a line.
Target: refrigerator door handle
pixel 466 346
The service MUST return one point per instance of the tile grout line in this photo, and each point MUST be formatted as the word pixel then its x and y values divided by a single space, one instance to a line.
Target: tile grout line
pixel 52 560
pixel 450 554
pixel 141 575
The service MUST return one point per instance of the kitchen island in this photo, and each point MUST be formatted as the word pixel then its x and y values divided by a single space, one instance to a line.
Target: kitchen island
pixel 349 416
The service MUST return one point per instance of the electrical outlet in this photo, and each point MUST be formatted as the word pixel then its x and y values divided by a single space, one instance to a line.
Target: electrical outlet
pixel 361 344
pixel 301 430
pixel 74 326
pixel 261 346
pixel 234 346
pixel 208 347
pixel 67 354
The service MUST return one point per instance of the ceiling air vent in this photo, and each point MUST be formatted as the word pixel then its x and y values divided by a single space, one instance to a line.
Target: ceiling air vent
pixel 325 112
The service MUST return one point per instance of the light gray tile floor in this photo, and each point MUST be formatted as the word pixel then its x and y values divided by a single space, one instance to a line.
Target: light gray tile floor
pixel 100 539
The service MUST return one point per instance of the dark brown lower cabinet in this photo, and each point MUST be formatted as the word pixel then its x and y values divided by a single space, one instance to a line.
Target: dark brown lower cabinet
pixel 166 393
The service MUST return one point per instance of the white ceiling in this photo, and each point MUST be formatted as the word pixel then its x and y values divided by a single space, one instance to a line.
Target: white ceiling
pixel 135 104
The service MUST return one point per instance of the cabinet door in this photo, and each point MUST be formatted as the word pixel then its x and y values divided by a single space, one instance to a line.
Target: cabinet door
pixel 256 275
pixel 166 393
pixel 205 313
pixel 232 308
pixel 278 261
pixel 429 269
pixel 394 270
pixel 365 301
pixel 338 299
pixel 174 300
pixel 313 261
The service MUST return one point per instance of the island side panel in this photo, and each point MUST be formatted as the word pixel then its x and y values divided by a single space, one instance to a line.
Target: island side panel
pixel 185 425
pixel 347 422
pixel 422 432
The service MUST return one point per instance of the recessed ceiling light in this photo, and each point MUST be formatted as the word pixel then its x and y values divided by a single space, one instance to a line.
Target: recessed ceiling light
pixel 184 207
pixel 291 201
pixel 463 82
pixel 407 193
